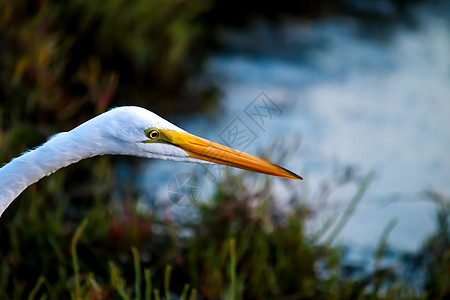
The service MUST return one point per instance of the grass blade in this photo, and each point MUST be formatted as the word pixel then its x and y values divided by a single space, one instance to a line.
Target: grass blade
pixel 233 268
pixel 73 250
pixel 167 281
pixel 185 292
pixel 137 273
pixel 350 208
pixel 36 288
pixel 148 284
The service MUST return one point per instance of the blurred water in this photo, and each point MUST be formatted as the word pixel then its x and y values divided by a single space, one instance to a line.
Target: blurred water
pixel 378 99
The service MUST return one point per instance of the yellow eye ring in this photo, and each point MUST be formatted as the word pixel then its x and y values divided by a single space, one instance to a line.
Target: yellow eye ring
pixel 153 134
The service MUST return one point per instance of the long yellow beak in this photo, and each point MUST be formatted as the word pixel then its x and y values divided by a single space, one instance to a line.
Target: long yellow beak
pixel 203 149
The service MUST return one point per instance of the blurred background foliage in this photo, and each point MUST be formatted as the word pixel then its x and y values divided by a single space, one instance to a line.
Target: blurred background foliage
pixel 63 62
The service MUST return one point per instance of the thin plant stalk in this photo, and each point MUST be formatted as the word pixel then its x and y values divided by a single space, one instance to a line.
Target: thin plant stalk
pixel 233 268
pixel 350 208
pixel 193 294
pixel 36 288
pixel 73 250
pixel 137 273
pixel 167 281
pixel 148 284
pixel 185 292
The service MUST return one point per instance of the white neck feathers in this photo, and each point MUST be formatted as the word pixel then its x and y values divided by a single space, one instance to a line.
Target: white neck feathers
pixel 60 151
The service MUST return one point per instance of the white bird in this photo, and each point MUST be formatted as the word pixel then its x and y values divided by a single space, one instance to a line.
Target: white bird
pixel 127 130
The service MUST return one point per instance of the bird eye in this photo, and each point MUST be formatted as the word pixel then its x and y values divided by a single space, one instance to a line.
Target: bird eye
pixel 153 134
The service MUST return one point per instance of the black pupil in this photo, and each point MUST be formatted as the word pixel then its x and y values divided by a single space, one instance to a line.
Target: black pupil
pixel 153 134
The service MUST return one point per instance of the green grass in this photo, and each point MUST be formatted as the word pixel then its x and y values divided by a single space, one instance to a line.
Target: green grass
pixel 235 251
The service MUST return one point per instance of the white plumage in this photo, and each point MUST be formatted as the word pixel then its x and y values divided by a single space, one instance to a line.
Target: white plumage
pixel 120 131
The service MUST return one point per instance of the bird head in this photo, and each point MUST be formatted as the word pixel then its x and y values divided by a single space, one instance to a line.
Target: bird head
pixel 139 132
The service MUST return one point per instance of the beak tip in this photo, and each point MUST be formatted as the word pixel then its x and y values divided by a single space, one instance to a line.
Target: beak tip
pixel 292 175
pixel 295 176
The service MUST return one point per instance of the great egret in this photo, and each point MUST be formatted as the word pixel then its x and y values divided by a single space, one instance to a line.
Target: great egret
pixel 127 130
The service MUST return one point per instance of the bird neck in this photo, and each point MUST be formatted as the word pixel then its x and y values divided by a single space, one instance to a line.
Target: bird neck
pixel 60 151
